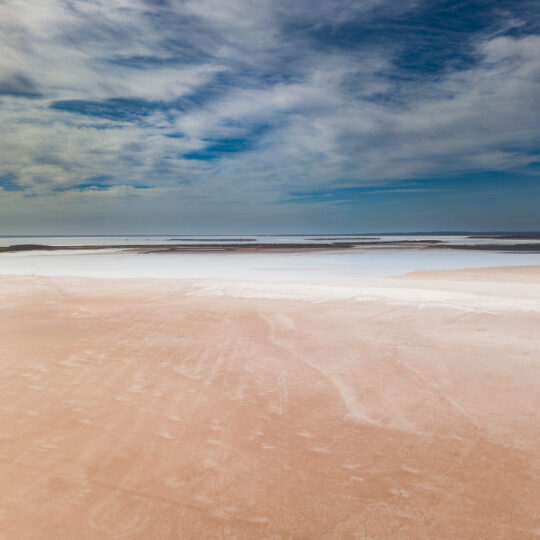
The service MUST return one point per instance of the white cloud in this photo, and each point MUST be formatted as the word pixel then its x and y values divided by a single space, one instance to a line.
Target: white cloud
pixel 322 120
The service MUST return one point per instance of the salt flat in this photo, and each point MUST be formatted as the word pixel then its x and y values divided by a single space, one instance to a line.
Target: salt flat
pixel 147 408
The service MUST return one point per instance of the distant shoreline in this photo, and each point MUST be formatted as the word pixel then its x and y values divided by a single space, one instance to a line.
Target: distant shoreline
pixel 247 246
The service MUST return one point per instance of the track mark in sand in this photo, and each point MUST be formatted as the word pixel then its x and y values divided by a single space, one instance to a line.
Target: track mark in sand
pixel 356 479
pixel 399 492
pixel 355 410
pixel 258 519
pixel 226 512
pixel 136 388
pixel 470 442
pixel 46 492
pixel 205 365
pixel 214 442
pixel 118 517
pixel 175 407
pixel 184 372
pixel 392 357
pixel 81 313
pixel 409 469
pixel 210 464
pixel 203 499
pixel 241 386
pixel 209 444
pixel 275 409
pixel 320 450
pixel 285 322
pixel 172 482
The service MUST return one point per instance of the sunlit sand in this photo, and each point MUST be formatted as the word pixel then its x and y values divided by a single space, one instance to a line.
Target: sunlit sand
pixel 177 409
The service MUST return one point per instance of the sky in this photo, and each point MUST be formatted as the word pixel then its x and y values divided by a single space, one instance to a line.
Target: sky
pixel 269 116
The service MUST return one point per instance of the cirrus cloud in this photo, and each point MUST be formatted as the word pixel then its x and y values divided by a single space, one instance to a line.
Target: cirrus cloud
pixel 218 105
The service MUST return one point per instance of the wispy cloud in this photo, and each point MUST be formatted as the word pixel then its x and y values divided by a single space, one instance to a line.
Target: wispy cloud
pixel 209 102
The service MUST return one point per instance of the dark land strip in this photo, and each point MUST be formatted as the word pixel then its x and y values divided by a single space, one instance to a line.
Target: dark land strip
pixel 533 247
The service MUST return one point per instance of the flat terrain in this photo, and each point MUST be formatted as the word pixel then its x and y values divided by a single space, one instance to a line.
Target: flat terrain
pixel 166 409
pixel 499 244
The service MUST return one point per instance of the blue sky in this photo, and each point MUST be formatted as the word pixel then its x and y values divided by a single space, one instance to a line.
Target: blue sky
pixel 262 116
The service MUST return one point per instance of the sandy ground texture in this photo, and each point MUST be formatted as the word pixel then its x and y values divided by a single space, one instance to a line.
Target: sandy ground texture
pixel 162 409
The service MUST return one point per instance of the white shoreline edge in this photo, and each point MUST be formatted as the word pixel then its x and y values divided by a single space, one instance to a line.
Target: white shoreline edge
pixel 489 296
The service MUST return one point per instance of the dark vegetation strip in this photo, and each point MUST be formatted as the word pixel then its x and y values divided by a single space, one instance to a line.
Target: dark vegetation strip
pixel 293 246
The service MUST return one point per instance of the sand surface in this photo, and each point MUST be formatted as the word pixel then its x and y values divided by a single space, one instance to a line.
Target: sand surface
pixel 175 409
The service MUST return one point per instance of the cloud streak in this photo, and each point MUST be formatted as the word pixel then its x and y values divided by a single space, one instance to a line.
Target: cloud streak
pixel 213 104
